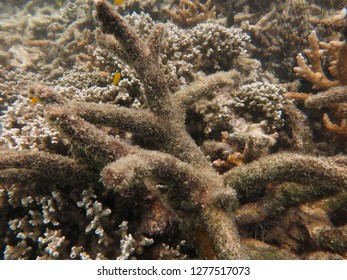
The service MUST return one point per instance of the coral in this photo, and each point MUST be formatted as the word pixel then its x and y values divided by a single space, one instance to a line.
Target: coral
pixel 155 141
pixel 96 213
pixel 278 30
pixel 337 21
pixel 246 142
pixel 129 245
pixel 192 12
pixel 23 127
pixel 334 96
pixel 260 99
pixel 314 73
pixel 299 128
pixel 86 73
pixel 207 47
pixel 161 179
pixel 339 129
pixel 250 139
pixel 151 7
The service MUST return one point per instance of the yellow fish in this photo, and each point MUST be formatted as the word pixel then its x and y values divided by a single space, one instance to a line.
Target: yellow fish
pixel 116 78
pixel 34 100
pixel 118 2
pixel 60 3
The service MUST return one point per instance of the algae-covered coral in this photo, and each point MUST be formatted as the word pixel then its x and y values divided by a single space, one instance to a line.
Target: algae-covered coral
pixel 201 149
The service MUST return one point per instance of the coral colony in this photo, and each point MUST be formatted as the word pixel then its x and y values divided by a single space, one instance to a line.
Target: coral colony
pixel 176 132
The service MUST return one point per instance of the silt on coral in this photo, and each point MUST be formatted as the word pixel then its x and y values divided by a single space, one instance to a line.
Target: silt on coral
pixel 166 171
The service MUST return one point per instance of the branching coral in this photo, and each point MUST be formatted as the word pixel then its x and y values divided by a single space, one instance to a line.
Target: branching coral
pixel 167 168
pixel 278 30
pixel 314 73
pixel 191 12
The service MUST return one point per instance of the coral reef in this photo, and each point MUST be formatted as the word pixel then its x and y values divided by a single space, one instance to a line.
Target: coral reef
pixel 207 48
pixel 33 38
pixel 193 154
pixel 278 29
pixel 192 12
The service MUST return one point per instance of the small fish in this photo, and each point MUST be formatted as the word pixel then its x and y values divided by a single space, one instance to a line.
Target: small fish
pixel 60 3
pixel 34 100
pixel 118 2
pixel 116 78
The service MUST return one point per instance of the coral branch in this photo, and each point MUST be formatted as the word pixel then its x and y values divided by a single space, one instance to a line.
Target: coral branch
pixel 55 167
pixel 143 57
pixel 222 230
pixel 97 145
pixel 258 250
pixel 313 74
pixel 188 189
pixel 327 98
pixel 282 197
pixel 332 239
pixel 192 12
pixel 249 181
pixel 338 129
pixel 300 130
pixel 141 122
pixel 131 169
pixel 113 23
pixel 205 87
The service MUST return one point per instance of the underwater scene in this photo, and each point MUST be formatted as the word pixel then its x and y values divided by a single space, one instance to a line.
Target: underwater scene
pixel 173 129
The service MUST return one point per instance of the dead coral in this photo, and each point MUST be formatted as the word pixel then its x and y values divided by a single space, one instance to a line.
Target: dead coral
pixel 167 166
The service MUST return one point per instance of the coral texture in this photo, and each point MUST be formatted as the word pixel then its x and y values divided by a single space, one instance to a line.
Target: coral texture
pixel 334 96
pixel 218 166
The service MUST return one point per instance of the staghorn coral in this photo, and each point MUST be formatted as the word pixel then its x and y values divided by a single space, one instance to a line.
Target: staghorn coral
pixel 185 54
pixel 278 30
pixel 33 37
pixel 334 96
pixel 166 172
pixel 314 74
pixel 151 7
pixel 192 12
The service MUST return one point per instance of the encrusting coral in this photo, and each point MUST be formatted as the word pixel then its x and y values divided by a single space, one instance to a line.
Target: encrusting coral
pixel 165 170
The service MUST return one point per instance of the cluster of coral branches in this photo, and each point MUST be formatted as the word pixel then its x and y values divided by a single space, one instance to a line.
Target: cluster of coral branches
pixel 287 204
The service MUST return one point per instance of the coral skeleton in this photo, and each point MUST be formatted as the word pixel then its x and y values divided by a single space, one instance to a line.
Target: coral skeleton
pixel 169 170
